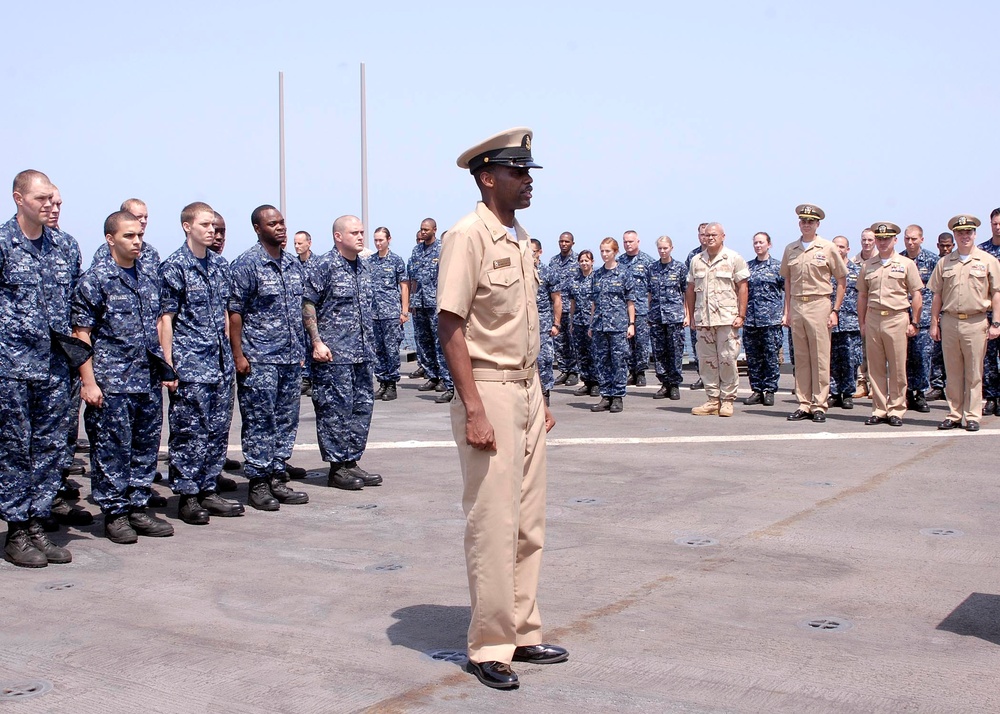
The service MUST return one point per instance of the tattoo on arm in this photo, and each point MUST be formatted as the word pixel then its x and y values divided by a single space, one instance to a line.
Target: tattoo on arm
pixel 309 321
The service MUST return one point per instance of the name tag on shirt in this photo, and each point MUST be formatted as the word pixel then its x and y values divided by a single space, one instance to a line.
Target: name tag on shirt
pixel 502 263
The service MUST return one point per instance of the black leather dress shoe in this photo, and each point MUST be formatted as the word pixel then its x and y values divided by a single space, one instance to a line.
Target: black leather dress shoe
pixel 799 415
pixel 874 420
pixel 948 424
pixel 819 417
pixel 497 675
pixel 972 426
pixel 540 654
pixel 894 421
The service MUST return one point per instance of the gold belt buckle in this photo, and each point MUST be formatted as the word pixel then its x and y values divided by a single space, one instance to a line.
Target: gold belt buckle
pixel 805 298
pixel 883 313
pixel 962 316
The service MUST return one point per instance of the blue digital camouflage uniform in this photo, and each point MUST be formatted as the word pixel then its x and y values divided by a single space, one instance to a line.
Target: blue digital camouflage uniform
pixel 692 332
pixel 124 433
pixel 920 347
pixel 845 338
pixel 762 326
pixel 201 408
pixel 611 290
pixel 638 267
pixel 937 366
pixel 991 361
pixel 563 268
pixel 307 360
pixel 387 274
pixel 268 294
pixel 546 317
pixel 72 421
pixel 342 389
pixel 423 272
pixel 36 287
pixel 579 292
pixel 667 283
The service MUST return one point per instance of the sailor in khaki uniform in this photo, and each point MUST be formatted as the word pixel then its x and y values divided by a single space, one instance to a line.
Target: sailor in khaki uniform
pixel 887 283
pixel 807 267
pixel 488 324
pixel 966 284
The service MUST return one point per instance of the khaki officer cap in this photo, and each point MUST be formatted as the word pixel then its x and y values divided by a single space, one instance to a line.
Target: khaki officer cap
pixel 808 210
pixel 508 148
pixel 964 222
pixel 884 228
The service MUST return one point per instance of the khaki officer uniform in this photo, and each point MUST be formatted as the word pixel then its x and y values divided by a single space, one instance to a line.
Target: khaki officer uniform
pixel 887 288
pixel 489 278
pixel 807 272
pixel 965 290
pixel 716 307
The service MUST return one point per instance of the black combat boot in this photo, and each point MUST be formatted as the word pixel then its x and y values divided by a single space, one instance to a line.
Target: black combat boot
pixel 583 390
pixel 429 386
pixel 219 506
pixel 381 389
pixel 640 379
pixel 52 552
pixel 602 406
pixel 616 405
pixel 224 484
pixel 117 529
pixel 286 495
pixel 191 512
pixel 390 392
pixel 259 496
pixel 19 548
pixel 920 402
pixel 341 477
pixel 65 514
pixel 150 526
pixel 368 479
pixel 572 379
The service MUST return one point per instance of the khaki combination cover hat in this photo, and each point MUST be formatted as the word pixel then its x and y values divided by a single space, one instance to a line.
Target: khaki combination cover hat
pixel 964 222
pixel 508 148
pixel 808 210
pixel 884 228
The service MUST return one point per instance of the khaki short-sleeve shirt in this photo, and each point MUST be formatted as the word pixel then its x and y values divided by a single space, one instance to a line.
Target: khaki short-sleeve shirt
pixel 967 287
pixel 488 278
pixel 808 272
pixel 714 283
pixel 889 286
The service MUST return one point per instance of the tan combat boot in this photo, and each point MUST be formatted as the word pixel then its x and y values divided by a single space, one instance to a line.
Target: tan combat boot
pixel 709 408
pixel 726 409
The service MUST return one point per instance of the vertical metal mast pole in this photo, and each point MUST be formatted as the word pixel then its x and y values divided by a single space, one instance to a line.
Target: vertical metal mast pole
pixel 281 143
pixel 364 160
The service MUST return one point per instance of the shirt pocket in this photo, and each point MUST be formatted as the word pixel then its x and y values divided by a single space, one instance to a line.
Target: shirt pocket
pixel 506 291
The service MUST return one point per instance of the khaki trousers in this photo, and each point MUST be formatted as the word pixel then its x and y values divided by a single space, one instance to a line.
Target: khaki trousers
pixel 885 338
pixel 811 342
pixel 504 503
pixel 963 343
pixel 718 350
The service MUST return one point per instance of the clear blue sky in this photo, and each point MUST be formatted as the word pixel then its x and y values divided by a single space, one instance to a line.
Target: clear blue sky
pixel 650 119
